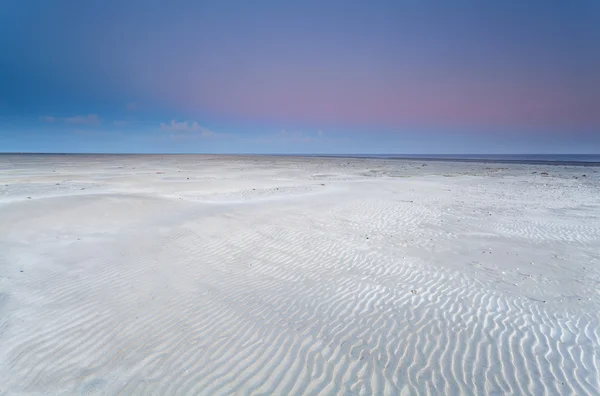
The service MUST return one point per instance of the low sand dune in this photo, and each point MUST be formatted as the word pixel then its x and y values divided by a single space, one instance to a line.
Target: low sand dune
pixel 262 275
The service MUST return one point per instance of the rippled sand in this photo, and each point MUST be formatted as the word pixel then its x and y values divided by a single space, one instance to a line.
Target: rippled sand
pixel 261 275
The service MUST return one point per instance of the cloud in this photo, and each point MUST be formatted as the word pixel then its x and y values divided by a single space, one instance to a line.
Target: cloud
pixel 90 119
pixel 187 129
pixel 206 133
pixel 183 126
pixel 120 123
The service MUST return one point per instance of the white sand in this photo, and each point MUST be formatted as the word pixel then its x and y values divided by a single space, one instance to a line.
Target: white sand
pixel 252 277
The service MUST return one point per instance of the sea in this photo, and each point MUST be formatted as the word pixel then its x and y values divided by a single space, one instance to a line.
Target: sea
pixel 533 159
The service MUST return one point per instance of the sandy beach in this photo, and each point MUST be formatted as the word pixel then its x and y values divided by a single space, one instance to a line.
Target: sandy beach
pixel 220 275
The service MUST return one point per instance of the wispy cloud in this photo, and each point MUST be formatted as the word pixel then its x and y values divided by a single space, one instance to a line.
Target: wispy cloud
pixel 90 119
pixel 187 129
pixel 120 123
pixel 183 126
pixel 97 132
pixel 207 133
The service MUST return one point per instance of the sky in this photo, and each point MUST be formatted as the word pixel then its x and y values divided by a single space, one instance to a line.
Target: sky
pixel 264 76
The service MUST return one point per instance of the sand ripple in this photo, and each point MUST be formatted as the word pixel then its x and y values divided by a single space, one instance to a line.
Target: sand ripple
pixel 326 298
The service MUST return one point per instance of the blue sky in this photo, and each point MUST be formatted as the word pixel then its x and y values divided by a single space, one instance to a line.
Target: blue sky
pixel 300 77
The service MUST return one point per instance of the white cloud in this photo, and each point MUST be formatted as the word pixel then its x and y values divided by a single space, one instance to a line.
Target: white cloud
pixel 183 126
pixel 206 133
pixel 184 129
pixel 90 119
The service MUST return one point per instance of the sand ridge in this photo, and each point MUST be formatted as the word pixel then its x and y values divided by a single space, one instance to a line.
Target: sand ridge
pixel 263 275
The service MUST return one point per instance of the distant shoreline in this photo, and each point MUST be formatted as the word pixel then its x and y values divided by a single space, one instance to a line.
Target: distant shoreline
pixel 482 160
pixel 588 160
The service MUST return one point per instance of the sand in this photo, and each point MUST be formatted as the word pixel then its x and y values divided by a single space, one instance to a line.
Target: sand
pixel 217 275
